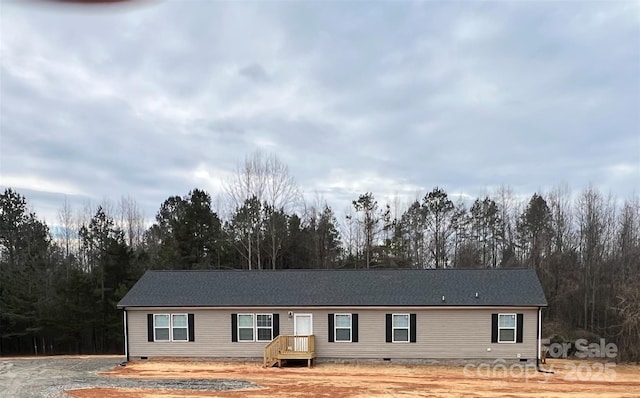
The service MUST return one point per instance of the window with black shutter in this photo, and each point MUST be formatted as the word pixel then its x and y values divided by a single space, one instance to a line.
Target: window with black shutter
pixel 507 328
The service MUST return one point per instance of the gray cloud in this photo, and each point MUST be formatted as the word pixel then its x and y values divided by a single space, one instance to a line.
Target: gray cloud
pixel 254 72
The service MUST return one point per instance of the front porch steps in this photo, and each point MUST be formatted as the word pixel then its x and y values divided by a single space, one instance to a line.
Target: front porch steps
pixel 289 347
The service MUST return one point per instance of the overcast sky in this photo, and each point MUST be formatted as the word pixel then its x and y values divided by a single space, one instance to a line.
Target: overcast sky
pixel 389 97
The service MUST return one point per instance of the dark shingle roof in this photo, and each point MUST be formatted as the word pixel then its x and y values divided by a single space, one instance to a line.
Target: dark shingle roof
pixel 404 287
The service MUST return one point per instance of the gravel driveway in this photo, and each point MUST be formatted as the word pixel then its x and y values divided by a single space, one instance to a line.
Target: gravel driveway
pixel 49 377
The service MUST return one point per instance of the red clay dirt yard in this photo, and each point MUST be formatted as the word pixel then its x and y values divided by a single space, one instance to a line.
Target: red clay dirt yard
pixel 571 379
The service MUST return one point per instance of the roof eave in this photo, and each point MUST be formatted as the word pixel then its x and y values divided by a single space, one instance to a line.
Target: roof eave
pixel 222 306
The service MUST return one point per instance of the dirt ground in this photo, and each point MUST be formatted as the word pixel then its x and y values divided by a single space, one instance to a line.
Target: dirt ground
pixel 571 379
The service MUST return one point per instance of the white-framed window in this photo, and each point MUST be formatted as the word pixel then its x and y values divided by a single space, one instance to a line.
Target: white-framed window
pixel 264 327
pixel 179 327
pixel 245 327
pixel 507 328
pixel 342 325
pixel 170 327
pixel 255 327
pixel 400 328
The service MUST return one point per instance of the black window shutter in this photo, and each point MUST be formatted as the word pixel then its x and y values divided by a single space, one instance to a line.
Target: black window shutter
pixel 519 325
pixel 354 328
pixel 192 332
pixel 389 328
pixel 494 328
pixel 276 325
pixel 330 328
pixel 234 327
pixel 412 328
pixel 149 327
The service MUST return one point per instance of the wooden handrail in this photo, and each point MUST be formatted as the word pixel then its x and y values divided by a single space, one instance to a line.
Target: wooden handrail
pixel 272 350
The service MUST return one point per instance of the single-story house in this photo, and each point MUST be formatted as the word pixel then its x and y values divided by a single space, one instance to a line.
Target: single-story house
pixel 383 314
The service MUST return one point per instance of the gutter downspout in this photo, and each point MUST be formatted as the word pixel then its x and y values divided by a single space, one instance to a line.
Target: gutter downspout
pixel 539 335
pixel 126 337
pixel 540 343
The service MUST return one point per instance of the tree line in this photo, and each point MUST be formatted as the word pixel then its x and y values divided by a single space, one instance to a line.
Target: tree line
pixel 59 284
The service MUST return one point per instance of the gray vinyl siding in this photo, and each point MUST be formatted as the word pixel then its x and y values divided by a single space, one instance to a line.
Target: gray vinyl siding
pixel 441 334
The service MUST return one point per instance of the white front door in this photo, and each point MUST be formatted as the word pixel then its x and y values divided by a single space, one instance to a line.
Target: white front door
pixel 302 326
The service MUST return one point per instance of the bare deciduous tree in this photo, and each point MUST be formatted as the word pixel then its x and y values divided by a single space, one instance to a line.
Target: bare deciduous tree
pixel 66 220
pixel 628 309
pixel 506 200
pixel 268 180
pixel 131 220
pixel 595 217
pixel 561 219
